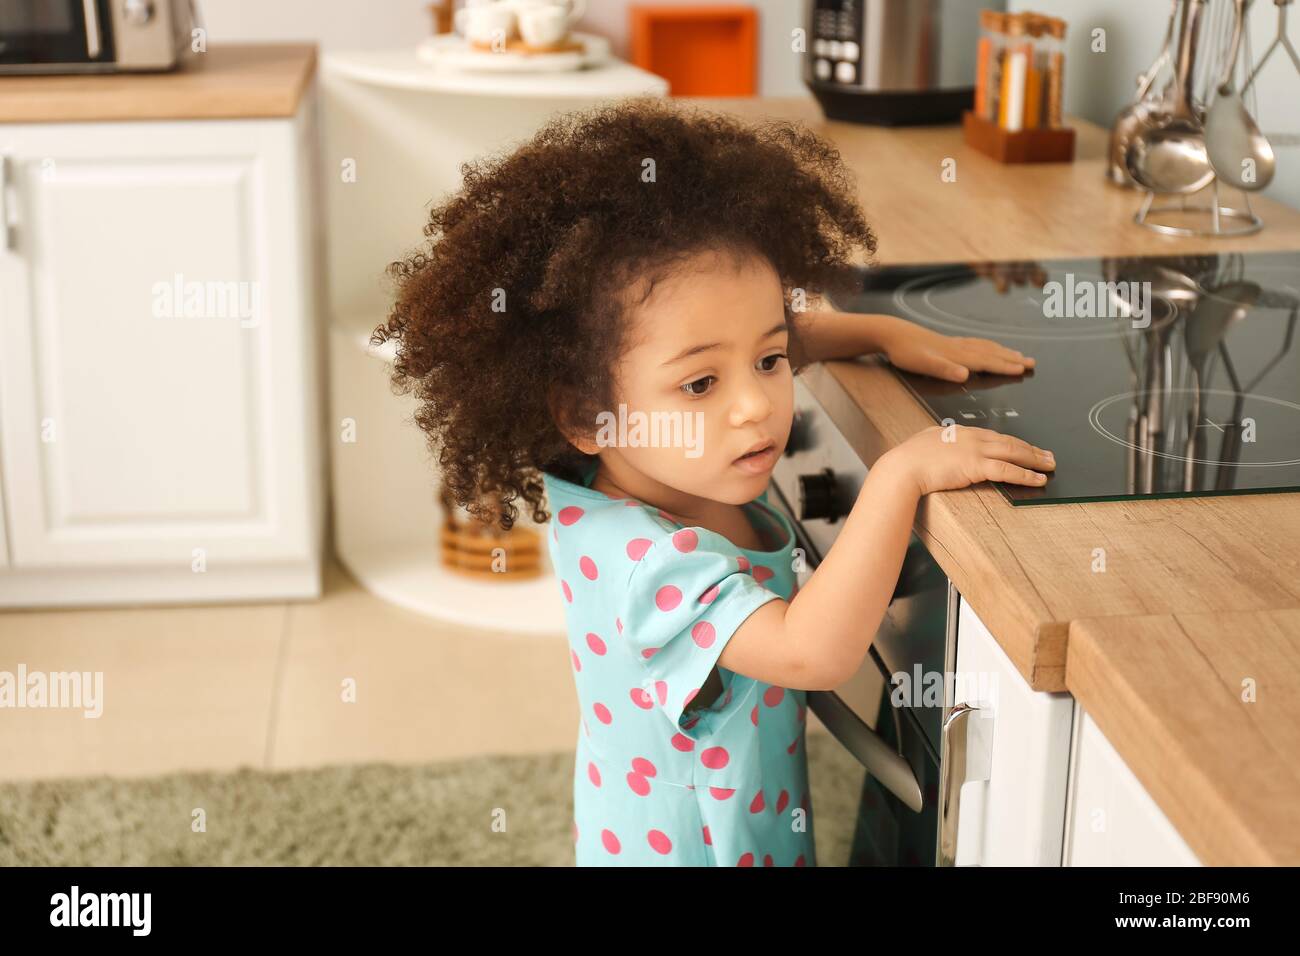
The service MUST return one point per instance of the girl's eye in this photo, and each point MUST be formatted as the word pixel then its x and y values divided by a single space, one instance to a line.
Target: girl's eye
pixel 769 362
pixel 690 387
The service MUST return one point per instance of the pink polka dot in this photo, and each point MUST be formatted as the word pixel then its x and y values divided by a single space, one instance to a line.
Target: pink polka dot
pixel 683 743
pixel 753 715
pixel 637 547
pixel 649 652
pixel 715 758
pixel 596 644
pixel 643 766
pixel 602 713
pixel 593 774
pixel 687 702
pixel 632 503
pixel 693 721
pixel 708 596
pixel 641 698
pixel 568 594
pixel 618 624
pixel 800 861
pixel 743 562
pixel 668 597
pixel 577 664
pixel 746 859
pixel 772 696
pixel 639 784
pixel 782 801
pixel 610 841
pixel 767 860
pixel 659 842
pixel 708 837
pixel 793 747
pixel 569 515
pixel 703 634
pixel 588 568
pixel 721 793
pixel 758 803
pixel 762 574
pixel 661 691
pixel 803 713
pixel 667 516
pixel 685 540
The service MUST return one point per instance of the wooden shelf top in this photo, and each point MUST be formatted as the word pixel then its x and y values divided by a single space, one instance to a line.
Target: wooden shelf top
pixel 234 81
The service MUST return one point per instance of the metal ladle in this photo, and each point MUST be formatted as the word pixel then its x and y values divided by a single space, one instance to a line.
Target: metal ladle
pixel 1139 115
pixel 1240 154
pixel 1171 158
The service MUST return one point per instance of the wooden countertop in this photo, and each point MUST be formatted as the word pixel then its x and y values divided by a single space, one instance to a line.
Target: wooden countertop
pixel 1204 709
pixel 995 211
pixel 1198 593
pixel 235 81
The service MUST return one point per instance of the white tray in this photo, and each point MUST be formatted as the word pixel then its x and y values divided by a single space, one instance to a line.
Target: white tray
pixel 452 51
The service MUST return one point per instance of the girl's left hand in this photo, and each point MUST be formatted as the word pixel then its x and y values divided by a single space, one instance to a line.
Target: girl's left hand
pixel 917 349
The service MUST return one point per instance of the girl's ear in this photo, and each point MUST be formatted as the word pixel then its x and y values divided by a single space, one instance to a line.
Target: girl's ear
pixel 559 403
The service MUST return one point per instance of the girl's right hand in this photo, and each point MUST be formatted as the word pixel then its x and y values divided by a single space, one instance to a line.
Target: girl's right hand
pixel 944 457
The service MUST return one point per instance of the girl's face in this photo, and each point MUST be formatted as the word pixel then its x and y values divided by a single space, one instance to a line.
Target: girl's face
pixel 707 372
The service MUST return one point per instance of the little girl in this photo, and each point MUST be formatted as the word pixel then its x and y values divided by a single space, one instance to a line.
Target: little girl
pixel 650 265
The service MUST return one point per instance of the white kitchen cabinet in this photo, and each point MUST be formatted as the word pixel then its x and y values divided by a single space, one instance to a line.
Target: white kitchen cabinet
pixel 1019 739
pixel 1112 820
pixel 155 446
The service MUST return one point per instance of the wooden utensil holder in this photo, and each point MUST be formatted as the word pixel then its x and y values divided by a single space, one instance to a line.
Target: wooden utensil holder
pixel 1055 145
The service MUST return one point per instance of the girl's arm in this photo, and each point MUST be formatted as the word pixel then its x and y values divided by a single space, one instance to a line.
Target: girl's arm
pixel 818 640
pixel 827 334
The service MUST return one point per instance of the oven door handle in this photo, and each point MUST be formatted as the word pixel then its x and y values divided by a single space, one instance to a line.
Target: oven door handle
pixel 867 747
pixel 967 755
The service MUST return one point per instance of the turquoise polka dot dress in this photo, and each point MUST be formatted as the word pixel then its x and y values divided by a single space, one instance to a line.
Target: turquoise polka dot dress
pixel 649 605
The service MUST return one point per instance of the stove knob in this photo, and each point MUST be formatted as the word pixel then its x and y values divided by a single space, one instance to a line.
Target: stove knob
pixel 800 433
pixel 818 496
pixel 137 12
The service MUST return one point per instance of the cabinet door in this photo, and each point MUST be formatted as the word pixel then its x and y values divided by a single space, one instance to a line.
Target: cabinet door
pixel 1016 817
pixel 1112 820
pixel 154 344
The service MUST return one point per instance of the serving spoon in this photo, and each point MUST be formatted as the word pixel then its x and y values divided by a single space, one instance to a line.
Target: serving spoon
pixel 1240 154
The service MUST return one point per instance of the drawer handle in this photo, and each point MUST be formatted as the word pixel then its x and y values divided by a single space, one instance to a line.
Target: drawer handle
pixel 967 758
pixel 6 232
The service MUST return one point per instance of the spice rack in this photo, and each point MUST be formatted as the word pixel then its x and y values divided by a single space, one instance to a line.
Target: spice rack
pixel 1020 70
pixel 1026 146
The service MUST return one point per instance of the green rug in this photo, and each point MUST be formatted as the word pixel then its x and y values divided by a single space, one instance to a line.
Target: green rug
pixel 484 811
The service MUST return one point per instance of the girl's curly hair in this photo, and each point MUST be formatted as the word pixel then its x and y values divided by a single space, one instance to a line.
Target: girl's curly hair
pixel 521 287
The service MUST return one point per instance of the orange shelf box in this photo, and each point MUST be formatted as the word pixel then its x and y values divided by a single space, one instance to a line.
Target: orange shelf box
pixel 699 50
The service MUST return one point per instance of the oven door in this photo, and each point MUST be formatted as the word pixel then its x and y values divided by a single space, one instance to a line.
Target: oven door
pixel 48 36
pixel 877 771
pixel 879 776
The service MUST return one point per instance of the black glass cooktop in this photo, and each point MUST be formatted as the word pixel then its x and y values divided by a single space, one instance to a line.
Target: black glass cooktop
pixel 1155 377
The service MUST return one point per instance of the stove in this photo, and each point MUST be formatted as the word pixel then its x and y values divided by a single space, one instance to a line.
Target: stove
pixel 1156 377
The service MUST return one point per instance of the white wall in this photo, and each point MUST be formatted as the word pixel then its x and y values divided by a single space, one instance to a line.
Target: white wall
pixel 376 24
pixel 1099 85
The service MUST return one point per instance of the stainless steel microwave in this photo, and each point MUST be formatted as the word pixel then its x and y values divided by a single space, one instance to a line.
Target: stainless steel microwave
pixel 94 36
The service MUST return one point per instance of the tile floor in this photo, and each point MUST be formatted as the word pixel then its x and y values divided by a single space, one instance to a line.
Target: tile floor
pixel 217 687
pixel 221 686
